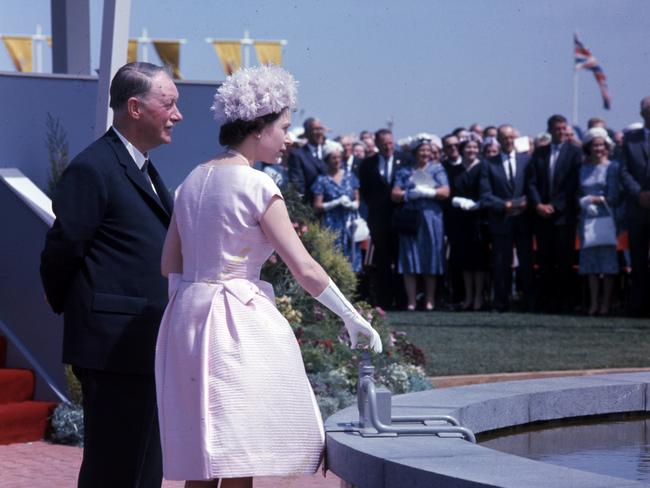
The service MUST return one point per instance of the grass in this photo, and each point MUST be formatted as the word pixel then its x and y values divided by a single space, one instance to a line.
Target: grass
pixel 481 343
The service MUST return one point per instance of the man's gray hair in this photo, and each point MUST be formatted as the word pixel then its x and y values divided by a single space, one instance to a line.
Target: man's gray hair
pixel 132 80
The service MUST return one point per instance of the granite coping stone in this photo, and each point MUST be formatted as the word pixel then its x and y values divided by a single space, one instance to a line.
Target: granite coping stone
pixel 414 461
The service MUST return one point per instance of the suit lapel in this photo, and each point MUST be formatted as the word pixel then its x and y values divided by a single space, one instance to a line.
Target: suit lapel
pixel 559 164
pixel 643 147
pixel 136 176
pixel 520 176
pixel 397 164
pixel 502 174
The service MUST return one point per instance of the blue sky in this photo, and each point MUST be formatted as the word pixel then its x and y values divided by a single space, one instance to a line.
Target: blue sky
pixel 430 65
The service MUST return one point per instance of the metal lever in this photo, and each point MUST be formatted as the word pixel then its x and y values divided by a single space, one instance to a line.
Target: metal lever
pixel 370 413
pixel 367 387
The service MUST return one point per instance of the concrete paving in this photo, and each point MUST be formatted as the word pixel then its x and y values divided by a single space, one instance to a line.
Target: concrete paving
pixel 43 465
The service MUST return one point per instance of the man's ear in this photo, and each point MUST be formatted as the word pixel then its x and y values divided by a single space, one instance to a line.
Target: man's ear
pixel 133 107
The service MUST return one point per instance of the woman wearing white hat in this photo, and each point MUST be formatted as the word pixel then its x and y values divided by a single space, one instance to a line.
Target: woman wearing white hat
pixel 598 195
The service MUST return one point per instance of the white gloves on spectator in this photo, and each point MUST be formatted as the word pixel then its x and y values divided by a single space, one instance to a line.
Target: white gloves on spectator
pixel 464 203
pixel 585 202
pixel 590 208
pixel 352 205
pixel 355 324
pixel 421 192
pixel 173 281
pixel 343 200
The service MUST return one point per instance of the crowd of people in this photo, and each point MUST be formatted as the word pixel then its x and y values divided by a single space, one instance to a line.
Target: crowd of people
pixel 486 218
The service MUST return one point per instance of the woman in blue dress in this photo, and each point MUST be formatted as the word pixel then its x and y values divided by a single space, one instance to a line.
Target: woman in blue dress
pixel 421 187
pixel 598 195
pixel 336 195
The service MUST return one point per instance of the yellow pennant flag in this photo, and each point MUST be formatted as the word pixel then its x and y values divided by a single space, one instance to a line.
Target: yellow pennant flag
pixel 170 54
pixel 229 53
pixel 132 53
pixel 269 52
pixel 20 50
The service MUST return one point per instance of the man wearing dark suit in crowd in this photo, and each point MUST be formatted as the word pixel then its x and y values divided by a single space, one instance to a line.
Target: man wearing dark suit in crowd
pixel 635 177
pixel 453 164
pixel 503 193
pixel 553 182
pixel 101 268
pixel 306 163
pixel 376 177
pixel 350 163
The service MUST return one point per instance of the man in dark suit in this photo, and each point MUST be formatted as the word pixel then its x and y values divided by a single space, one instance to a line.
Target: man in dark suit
pixel 635 177
pixel 306 163
pixel 376 177
pixel 453 164
pixel 552 186
pixel 101 268
pixel 350 163
pixel 503 193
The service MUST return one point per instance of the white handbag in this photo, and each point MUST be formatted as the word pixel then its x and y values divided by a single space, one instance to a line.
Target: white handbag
pixel 359 227
pixel 599 231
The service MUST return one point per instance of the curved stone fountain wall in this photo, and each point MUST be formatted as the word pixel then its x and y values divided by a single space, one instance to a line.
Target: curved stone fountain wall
pixel 426 461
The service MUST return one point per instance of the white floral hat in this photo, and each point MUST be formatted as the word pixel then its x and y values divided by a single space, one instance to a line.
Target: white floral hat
pixel 253 92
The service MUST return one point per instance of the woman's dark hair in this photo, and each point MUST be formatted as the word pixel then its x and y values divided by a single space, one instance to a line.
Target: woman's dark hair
pixel 418 145
pixel 586 147
pixel 233 133
pixel 465 142
pixel 132 80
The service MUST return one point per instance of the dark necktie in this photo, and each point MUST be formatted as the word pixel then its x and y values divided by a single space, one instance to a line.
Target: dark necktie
pixel 151 175
pixel 147 175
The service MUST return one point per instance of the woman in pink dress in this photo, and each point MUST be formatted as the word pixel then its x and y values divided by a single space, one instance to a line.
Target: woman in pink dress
pixel 234 401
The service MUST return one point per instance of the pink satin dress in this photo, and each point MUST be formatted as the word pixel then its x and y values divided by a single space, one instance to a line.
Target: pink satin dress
pixel 233 396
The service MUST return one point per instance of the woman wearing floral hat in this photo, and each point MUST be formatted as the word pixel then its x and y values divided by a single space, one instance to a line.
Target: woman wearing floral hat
pixel 233 396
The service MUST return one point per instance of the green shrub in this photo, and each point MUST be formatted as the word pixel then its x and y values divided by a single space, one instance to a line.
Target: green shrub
pixel 331 365
pixel 57 149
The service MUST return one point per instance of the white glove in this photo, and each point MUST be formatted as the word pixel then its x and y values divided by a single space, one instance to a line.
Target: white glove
pixel 471 205
pixel 421 192
pixel 464 203
pixel 347 202
pixel 173 281
pixel 334 203
pixel 355 324
pixel 585 202
pixel 353 205
pixel 592 210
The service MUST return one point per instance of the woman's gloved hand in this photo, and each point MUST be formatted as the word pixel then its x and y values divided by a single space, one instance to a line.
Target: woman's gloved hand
pixel 355 324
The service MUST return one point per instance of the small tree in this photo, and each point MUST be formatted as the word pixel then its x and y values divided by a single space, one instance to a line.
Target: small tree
pixel 57 148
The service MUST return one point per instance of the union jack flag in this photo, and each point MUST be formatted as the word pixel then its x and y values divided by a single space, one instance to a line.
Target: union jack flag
pixel 585 60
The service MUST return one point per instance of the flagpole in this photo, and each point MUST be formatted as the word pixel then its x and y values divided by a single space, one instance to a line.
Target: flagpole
pixel 38 39
pixel 246 43
pixel 574 114
pixel 574 118
pixel 144 40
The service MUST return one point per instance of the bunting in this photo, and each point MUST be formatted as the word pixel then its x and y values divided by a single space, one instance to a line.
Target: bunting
pixel 585 60
pixel 269 52
pixel 229 53
pixel 132 53
pixel 20 51
pixel 169 53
